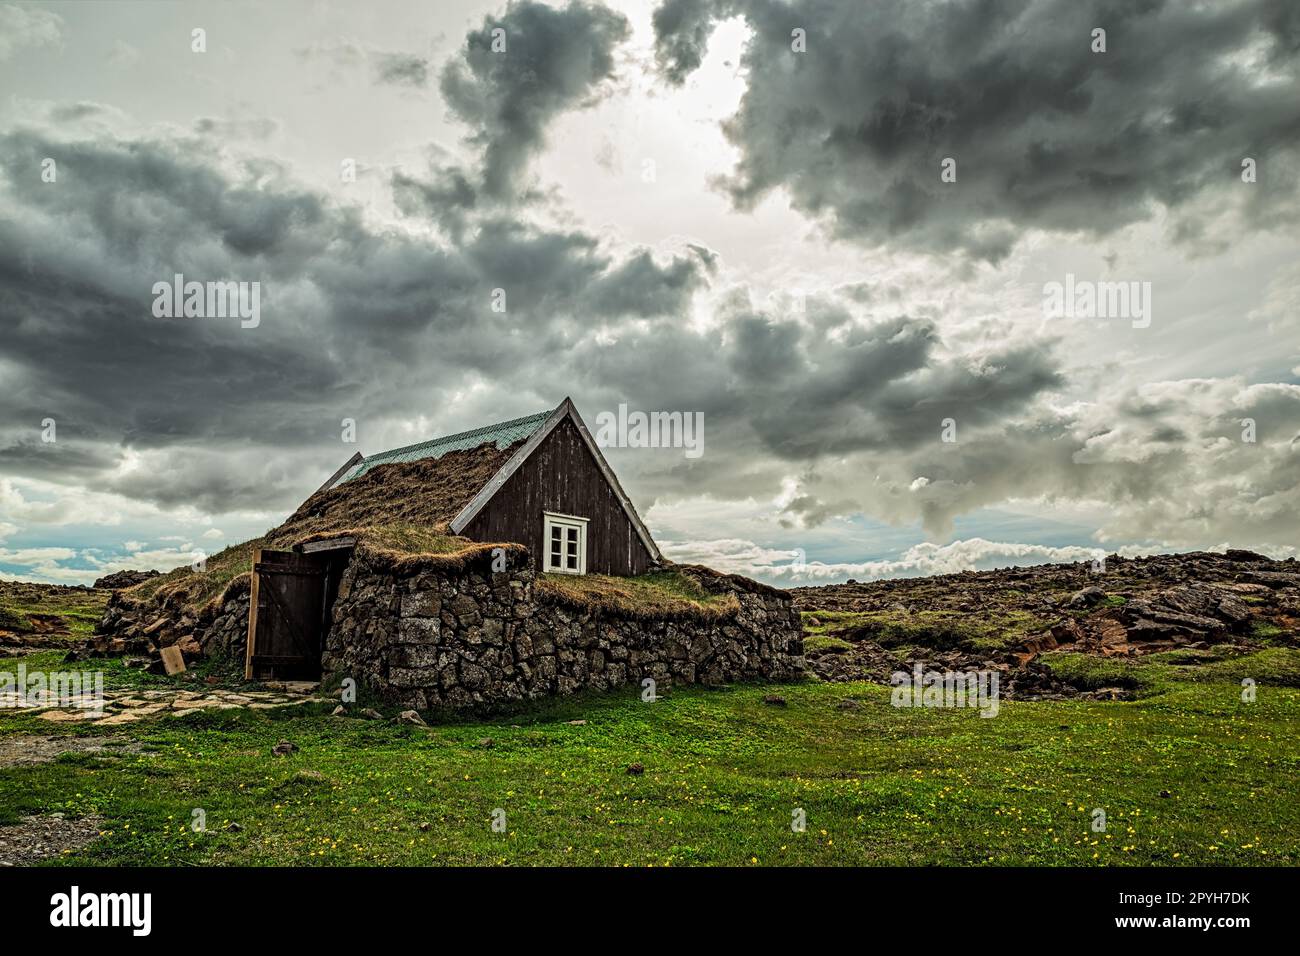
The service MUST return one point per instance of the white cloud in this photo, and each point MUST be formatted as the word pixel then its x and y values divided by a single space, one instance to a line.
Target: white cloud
pixel 35 556
pixel 47 565
pixel 785 568
pixel 27 27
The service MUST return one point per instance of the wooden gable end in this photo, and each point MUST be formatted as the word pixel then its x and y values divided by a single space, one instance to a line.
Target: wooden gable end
pixel 561 475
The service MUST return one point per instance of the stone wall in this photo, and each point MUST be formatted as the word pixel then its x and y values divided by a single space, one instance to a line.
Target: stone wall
pixel 468 637
pixel 452 633
pixel 219 628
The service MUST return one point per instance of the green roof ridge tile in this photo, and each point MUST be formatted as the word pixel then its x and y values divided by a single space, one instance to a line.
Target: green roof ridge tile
pixel 503 434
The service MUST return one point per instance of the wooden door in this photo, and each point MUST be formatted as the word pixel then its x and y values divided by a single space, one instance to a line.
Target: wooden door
pixel 286 617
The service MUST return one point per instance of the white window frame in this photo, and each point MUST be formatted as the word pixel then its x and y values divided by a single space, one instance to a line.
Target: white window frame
pixel 552 519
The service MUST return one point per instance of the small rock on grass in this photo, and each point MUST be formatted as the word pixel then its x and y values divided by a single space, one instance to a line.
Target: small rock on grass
pixel 486 742
pixel 411 717
pixel 776 700
pixel 283 748
pixel 635 769
pixel 371 713
pixel 575 723
pixel 338 711
pixel 234 828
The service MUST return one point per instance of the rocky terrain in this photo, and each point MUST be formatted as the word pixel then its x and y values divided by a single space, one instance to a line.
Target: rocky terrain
pixel 43 616
pixel 1199 606
pixel 1218 604
pixel 119 580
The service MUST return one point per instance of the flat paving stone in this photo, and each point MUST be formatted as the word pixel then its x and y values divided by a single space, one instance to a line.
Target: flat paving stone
pixel 123 707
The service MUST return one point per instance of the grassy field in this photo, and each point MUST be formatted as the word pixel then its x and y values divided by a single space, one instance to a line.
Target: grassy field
pixel 991 630
pixel 1187 774
pixel 37 608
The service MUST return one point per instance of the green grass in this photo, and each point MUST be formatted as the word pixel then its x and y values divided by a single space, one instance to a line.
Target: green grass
pixel 1265 631
pixel 1164 672
pixel 74 610
pixel 723 774
pixel 830 621
pixel 822 642
pixel 197 588
pixel 654 594
pixel 411 538
pixel 12 619
pixel 937 630
pixel 117 676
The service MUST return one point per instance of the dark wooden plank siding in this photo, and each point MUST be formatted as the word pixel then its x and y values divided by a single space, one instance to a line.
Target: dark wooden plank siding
pixel 561 475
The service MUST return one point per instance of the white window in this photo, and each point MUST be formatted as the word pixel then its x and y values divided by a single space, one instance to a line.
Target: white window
pixel 566 543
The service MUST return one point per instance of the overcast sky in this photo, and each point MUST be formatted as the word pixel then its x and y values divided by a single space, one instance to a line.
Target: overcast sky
pixel 738 208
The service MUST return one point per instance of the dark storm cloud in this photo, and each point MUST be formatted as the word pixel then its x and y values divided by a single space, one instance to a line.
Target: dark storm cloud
pixel 1045 132
pixel 381 326
pixel 641 287
pixel 445 195
pixel 554 60
pixel 1168 461
pixel 682 29
pixel 74 458
pixel 355 323
pixel 774 388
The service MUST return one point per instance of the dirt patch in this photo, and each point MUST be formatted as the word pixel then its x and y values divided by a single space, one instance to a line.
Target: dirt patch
pixel 32 749
pixel 37 838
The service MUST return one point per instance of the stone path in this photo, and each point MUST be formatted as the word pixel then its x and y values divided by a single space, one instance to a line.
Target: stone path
pixel 128 706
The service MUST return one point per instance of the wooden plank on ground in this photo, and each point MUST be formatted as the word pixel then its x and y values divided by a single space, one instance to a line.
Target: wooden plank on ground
pixel 173 660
